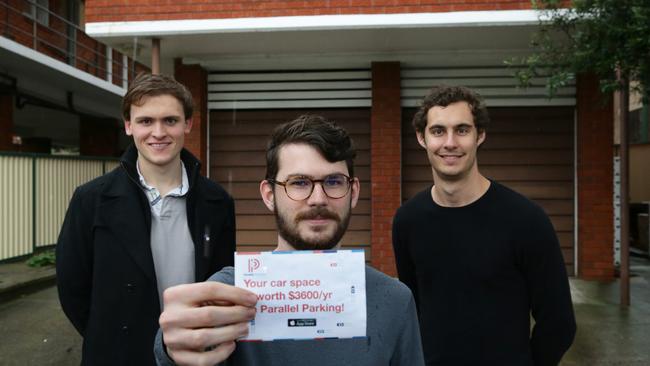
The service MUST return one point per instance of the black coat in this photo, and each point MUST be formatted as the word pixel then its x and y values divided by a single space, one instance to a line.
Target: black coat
pixel 105 271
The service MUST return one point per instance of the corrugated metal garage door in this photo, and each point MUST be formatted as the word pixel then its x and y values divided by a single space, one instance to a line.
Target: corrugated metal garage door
pixel 247 105
pixel 237 161
pixel 529 149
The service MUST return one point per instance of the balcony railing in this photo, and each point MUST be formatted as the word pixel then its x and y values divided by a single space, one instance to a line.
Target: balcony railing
pixel 35 26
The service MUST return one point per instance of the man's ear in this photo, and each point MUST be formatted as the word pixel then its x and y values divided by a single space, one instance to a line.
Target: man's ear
pixel 356 190
pixel 188 125
pixel 421 141
pixel 266 191
pixel 481 138
pixel 127 128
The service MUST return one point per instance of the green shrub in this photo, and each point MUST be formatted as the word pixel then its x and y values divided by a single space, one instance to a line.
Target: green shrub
pixel 42 259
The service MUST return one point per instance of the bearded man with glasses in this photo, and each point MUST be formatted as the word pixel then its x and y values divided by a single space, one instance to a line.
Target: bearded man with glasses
pixel 311 188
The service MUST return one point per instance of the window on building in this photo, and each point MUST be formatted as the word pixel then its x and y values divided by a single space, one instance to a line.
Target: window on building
pixel 639 125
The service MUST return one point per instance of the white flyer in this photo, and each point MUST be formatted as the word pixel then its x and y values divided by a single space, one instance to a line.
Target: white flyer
pixel 305 294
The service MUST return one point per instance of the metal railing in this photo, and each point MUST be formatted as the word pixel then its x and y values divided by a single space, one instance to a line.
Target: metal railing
pixel 37 27
pixel 35 191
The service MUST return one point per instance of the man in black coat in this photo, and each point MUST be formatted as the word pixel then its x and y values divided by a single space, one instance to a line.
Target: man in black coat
pixel 152 223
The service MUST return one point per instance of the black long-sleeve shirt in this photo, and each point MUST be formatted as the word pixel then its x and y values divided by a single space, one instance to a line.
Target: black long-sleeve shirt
pixel 478 272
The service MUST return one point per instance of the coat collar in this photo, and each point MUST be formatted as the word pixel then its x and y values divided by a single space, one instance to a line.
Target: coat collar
pixel 128 163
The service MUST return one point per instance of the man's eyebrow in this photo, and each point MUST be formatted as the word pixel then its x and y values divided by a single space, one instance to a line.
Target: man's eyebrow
pixel 462 124
pixel 298 175
pixel 174 116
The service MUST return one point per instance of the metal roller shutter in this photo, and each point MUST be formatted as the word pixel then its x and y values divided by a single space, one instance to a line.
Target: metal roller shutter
pixel 247 106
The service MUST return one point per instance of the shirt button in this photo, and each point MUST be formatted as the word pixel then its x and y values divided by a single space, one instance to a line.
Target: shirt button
pixel 130 287
pixel 125 329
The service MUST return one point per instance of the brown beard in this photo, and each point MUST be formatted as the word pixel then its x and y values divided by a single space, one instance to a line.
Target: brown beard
pixel 291 235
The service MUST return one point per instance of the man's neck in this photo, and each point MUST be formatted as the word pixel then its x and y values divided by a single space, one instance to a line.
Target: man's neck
pixel 461 192
pixel 163 178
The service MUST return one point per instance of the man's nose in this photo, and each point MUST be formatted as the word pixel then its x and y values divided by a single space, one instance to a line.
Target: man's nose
pixel 318 196
pixel 450 140
pixel 158 129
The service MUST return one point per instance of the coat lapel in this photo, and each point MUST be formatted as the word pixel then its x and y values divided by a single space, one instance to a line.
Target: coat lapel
pixel 206 216
pixel 122 208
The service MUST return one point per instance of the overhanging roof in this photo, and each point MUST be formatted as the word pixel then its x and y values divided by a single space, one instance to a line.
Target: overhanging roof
pixel 454 38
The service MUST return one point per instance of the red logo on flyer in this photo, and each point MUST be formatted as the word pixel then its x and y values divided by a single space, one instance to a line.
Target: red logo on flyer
pixel 253 264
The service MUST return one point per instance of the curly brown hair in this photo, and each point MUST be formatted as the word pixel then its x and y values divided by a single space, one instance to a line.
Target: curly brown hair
pixel 444 95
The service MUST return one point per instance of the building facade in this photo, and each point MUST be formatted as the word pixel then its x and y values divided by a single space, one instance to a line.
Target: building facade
pixel 366 64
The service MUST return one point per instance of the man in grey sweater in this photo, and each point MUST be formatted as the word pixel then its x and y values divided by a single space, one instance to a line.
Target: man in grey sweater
pixel 311 188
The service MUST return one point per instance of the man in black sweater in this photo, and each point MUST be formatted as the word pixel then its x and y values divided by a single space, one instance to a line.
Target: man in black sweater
pixel 479 257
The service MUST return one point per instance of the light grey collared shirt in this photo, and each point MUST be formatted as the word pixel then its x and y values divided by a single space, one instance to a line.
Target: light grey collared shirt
pixel 171 242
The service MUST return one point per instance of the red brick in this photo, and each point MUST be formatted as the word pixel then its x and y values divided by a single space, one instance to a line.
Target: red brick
pixel 99 137
pixel 152 9
pixel 595 181
pixel 194 77
pixel 6 121
pixel 385 167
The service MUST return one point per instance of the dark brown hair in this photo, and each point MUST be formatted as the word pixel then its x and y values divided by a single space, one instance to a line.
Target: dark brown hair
pixel 150 85
pixel 444 95
pixel 332 141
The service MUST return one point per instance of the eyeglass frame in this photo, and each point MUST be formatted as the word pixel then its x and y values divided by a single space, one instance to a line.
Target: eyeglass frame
pixel 350 180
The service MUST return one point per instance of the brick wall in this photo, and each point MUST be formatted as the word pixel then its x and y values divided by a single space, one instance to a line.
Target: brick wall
pixel 385 164
pixel 595 181
pixel 6 121
pixel 195 78
pixel 135 10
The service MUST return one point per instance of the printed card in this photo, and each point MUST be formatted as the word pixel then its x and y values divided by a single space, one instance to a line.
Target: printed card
pixel 305 294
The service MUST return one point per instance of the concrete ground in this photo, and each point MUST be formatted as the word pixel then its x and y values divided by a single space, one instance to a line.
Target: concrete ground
pixel 34 331
pixel 608 334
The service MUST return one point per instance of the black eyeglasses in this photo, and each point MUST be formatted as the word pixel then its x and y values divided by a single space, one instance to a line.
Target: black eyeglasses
pixel 300 188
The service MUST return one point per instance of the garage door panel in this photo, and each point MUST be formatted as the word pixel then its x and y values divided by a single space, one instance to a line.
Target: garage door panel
pixel 265 128
pixel 527 141
pixel 258 158
pixel 562 223
pixel 256 174
pixel 258 143
pixel 540 190
pixel 556 206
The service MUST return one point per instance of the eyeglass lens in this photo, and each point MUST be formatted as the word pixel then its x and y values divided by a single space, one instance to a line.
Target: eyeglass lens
pixel 335 186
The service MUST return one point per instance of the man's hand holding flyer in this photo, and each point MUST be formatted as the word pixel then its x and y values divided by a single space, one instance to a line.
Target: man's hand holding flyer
pixel 305 294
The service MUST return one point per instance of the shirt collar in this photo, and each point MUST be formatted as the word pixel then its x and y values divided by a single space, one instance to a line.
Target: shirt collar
pixel 153 192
